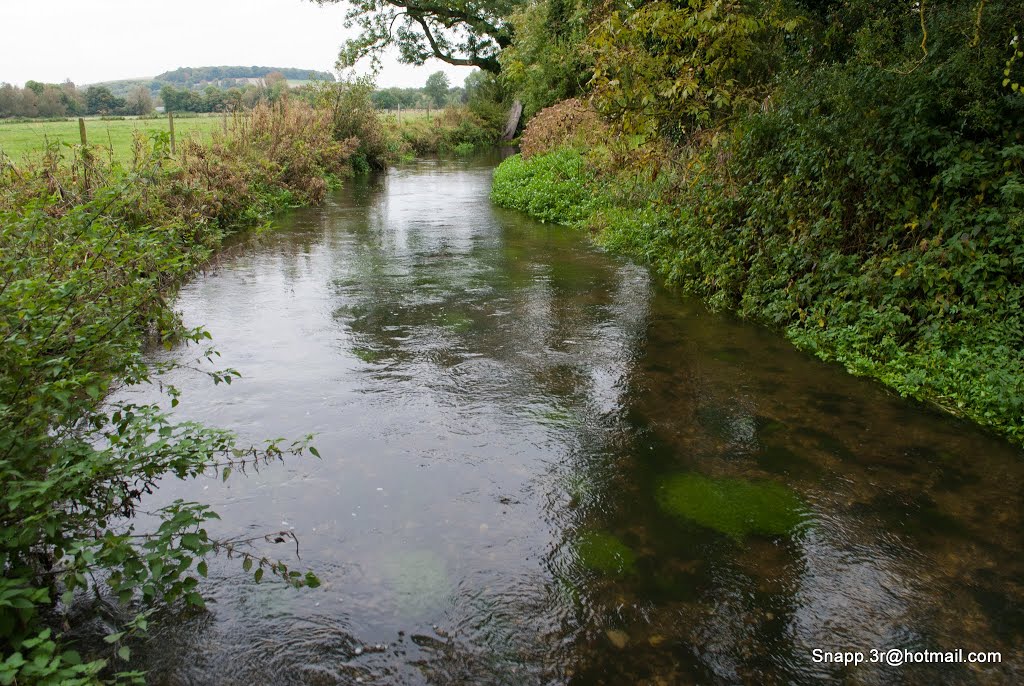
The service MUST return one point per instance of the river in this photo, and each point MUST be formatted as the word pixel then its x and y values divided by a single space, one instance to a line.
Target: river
pixel 541 467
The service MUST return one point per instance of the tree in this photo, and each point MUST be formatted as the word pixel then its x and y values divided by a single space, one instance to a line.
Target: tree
pixel 213 99
pixel 99 100
pixel 275 85
pixel 140 101
pixel 437 88
pixel 171 98
pixel 73 100
pixel 670 69
pixel 468 33
pixel 385 99
pixel 550 59
pixel 49 103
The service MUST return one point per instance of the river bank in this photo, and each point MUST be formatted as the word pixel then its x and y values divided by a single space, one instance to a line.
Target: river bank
pixel 93 248
pixel 931 308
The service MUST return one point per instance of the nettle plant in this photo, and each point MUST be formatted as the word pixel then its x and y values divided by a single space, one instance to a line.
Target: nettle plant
pixel 81 290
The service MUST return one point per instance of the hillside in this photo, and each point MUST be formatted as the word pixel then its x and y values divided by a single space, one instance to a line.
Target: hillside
pixel 198 78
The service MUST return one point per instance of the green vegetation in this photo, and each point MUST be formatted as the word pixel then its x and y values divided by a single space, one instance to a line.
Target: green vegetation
pixel 90 253
pixel 558 187
pixel 437 88
pixel 850 173
pixel 734 507
pixel 604 553
pixel 93 245
pixel 21 138
pixel 454 130
pixel 462 32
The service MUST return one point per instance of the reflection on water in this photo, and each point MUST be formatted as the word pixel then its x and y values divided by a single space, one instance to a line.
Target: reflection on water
pixel 540 467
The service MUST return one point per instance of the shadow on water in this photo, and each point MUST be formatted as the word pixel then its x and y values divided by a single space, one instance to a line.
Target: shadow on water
pixel 540 467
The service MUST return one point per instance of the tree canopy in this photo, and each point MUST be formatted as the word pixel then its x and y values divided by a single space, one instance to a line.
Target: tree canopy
pixel 469 33
pixel 437 88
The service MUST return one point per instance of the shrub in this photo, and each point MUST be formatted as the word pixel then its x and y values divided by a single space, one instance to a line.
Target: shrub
pixel 569 123
pixel 89 253
pixel 353 115
pixel 452 127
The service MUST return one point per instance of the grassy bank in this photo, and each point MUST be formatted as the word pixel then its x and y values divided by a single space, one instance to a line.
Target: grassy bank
pixel 91 253
pixel 893 251
pixel 456 130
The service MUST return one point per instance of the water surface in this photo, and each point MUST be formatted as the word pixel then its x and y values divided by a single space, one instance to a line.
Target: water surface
pixel 540 467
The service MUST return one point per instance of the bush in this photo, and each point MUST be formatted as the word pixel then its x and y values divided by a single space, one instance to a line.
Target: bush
pixel 354 117
pixel 569 123
pixel 452 127
pixel 90 254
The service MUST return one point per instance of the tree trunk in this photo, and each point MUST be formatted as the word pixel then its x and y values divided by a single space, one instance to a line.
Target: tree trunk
pixel 512 123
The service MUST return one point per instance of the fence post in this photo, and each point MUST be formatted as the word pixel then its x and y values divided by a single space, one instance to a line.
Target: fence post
pixel 170 122
pixel 85 155
pixel 399 113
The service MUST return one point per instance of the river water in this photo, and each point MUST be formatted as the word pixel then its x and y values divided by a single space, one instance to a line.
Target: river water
pixel 539 466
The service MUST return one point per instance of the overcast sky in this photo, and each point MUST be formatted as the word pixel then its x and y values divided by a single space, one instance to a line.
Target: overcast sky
pixel 104 40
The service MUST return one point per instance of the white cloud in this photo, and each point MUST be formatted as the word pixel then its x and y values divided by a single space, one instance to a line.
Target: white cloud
pixel 104 40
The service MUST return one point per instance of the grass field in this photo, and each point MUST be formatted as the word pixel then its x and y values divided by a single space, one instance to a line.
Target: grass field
pixel 27 138
pixel 408 115
pixel 18 139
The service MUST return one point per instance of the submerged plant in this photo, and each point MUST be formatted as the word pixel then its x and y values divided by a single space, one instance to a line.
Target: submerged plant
pixel 602 552
pixel 735 507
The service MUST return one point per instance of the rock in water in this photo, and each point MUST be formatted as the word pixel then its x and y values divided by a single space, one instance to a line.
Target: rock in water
pixel 618 638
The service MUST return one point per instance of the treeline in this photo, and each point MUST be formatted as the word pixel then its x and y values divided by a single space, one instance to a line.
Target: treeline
pixel 49 100
pixel 436 93
pixel 237 98
pixel 225 88
pixel 191 76
pixel 851 172
pixel 42 100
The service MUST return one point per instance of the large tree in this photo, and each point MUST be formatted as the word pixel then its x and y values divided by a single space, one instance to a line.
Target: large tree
pixel 437 88
pixel 467 33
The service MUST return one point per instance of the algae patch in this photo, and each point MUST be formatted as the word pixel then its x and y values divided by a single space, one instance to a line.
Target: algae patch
pixel 605 553
pixel 735 507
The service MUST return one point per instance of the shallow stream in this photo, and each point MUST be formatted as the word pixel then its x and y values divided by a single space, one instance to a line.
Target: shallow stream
pixel 539 466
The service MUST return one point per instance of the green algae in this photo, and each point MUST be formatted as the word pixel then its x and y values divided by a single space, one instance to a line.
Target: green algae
pixel 735 507
pixel 605 553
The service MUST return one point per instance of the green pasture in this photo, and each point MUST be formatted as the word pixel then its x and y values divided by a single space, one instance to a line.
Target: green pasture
pixel 21 139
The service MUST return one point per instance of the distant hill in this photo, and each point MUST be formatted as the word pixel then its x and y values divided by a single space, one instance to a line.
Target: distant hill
pixel 191 76
pixel 197 78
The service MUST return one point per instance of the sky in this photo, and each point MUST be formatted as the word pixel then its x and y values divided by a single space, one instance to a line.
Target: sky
pixel 104 40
